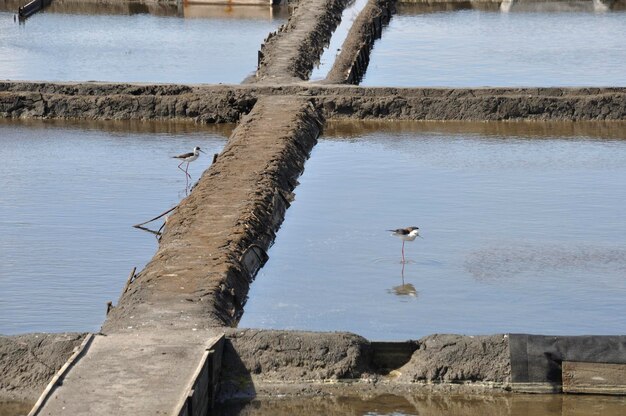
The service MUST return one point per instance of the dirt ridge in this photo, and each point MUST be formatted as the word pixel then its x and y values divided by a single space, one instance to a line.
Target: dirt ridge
pixel 217 104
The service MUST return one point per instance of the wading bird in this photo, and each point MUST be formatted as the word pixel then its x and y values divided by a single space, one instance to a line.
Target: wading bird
pixel 406 234
pixel 188 158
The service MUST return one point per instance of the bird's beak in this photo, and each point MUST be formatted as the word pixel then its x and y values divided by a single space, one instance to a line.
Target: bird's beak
pixel 200 150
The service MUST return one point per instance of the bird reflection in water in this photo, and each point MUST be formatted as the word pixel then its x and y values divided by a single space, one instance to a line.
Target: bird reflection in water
pixel 405 289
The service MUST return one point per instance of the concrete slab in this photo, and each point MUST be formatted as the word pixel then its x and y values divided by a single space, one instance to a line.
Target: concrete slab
pixel 136 373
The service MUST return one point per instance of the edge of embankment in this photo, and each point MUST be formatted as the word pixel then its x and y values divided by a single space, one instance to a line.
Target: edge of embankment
pixel 223 103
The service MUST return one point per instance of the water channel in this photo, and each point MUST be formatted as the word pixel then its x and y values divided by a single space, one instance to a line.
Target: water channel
pixel 522 231
pixel 473 48
pixel 70 195
pixel 122 44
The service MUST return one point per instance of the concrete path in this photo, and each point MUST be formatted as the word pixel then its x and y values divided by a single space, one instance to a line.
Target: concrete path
pixel 136 373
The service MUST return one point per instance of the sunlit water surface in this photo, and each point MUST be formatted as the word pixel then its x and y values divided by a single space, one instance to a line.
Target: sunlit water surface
pixel 70 195
pixel 486 48
pixel 523 231
pixel 133 48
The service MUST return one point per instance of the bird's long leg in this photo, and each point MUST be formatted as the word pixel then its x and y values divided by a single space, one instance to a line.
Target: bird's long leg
pixel 186 169
pixel 179 166
pixel 402 251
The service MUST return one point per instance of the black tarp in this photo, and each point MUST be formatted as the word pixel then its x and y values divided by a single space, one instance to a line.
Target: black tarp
pixel 538 358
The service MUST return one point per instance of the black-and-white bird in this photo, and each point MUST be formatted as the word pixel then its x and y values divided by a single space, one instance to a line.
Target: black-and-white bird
pixel 188 158
pixel 406 234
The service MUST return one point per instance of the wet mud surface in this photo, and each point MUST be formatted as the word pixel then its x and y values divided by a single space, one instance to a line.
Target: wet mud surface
pixel 27 362
pixel 268 362
pixel 352 62
pixel 219 104
pixel 289 54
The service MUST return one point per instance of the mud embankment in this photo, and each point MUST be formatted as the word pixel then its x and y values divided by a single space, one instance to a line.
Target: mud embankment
pixel 100 101
pixel 474 104
pixel 266 363
pixel 352 62
pixel 289 54
pixel 28 362
pixel 218 104
pixel 215 241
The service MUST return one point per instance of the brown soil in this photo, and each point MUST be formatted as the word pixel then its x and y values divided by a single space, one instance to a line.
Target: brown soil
pixel 216 104
pixel 216 239
pixel 288 55
pixel 266 362
pixel 352 62
pixel 27 362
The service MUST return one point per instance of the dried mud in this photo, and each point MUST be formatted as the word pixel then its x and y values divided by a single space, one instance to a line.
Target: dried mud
pixel 28 362
pixel 265 363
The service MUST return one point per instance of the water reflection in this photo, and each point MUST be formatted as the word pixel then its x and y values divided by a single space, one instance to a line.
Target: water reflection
pixel 432 405
pixel 405 289
pixel 603 130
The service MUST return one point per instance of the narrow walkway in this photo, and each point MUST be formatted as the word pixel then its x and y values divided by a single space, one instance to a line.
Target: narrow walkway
pixel 131 374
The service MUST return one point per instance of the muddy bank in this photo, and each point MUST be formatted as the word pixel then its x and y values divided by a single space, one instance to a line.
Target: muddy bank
pixel 479 104
pixel 222 104
pixel 266 363
pixel 99 101
pixel 288 55
pixel 217 238
pixel 352 62
pixel 28 362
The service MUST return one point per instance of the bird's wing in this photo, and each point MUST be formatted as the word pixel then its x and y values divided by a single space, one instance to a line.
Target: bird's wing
pixel 183 156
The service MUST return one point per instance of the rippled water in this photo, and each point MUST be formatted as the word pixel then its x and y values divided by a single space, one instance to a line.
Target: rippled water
pixel 486 48
pixel 70 194
pixel 134 47
pixel 522 232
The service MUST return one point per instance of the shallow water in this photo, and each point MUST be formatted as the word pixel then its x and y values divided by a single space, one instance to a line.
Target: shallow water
pixel 333 49
pixel 434 405
pixel 70 195
pixel 485 48
pixel 522 232
pixel 219 47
